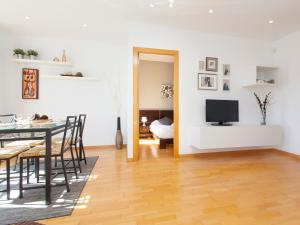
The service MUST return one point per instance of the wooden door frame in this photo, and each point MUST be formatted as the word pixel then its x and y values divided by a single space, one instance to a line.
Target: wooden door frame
pixel 175 54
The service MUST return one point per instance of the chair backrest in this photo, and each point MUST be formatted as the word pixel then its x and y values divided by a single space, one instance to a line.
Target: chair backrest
pixel 79 128
pixel 8 118
pixel 68 133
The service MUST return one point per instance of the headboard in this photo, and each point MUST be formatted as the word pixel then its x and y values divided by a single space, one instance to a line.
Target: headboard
pixel 155 115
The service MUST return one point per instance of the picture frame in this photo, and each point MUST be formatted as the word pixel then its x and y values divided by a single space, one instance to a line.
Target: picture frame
pixel 207 81
pixel 30 83
pixel 211 64
pixel 226 85
pixel 226 70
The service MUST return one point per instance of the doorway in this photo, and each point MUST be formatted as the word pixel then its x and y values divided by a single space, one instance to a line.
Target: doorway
pixel 137 52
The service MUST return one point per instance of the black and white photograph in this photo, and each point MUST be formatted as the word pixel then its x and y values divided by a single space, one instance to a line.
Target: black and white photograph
pixel 226 85
pixel 207 81
pixel 226 70
pixel 211 64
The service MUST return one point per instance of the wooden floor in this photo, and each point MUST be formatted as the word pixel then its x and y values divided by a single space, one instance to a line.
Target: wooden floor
pixel 248 188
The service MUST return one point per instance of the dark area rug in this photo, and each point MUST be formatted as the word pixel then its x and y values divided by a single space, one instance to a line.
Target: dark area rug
pixel 32 206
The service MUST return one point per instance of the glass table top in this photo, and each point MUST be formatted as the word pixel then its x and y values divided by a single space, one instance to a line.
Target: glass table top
pixel 27 125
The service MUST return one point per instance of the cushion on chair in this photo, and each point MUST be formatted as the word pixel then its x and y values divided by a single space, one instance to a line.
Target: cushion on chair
pixel 11 152
pixel 29 143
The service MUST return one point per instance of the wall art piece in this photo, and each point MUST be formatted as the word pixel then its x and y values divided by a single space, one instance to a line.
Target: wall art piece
pixel 226 70
pixel 207 81
pixel 201 65
pixel 226 85
pixel 211 64
pixel 167 90
pixel 30 83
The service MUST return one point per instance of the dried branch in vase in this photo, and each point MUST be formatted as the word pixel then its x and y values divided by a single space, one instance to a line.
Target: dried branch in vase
pixel 263 105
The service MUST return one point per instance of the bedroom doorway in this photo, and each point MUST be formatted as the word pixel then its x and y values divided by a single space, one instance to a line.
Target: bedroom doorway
pixel 144 116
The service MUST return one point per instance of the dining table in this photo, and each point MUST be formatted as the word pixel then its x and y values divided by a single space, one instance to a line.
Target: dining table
pixel 35 131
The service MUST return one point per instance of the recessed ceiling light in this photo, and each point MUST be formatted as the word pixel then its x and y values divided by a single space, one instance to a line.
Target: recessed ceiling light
pixel 171 5
pixel 151 5
pixel 271 21
pixel 210 11
pixel 84 25
pixel 27 17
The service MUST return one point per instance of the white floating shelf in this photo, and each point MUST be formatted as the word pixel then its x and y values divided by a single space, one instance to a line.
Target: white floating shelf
pixel 260 85
pixel 41 62
pixel 57 77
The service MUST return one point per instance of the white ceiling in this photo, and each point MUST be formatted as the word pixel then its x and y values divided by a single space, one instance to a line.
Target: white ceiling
pixel 108 18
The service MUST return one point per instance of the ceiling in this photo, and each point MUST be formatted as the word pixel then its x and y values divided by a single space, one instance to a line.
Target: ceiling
pixel 109 18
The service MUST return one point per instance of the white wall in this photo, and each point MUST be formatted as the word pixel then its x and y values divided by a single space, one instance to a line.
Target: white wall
pixel 195 46
pixel 287 56
pixel 152 76
pixel 59 98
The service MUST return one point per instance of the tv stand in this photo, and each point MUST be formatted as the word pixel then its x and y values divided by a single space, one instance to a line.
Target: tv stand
pixel 222 124
pixel 239 136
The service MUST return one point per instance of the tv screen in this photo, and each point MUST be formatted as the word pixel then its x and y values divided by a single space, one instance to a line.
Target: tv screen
pixel 222 111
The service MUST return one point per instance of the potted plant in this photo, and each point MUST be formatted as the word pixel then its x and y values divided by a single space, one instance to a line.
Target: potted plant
pixel 32 54
pixel 19 53
pixel 263 106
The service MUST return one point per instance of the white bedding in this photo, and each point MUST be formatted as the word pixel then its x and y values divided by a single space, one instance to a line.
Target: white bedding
pixel 162 131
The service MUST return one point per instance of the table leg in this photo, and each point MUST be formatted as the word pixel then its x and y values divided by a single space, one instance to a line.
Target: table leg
pixel 48 167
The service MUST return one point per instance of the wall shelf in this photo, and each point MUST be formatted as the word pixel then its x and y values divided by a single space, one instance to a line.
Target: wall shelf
pixel 57 77
pixel 262 76
pixel 41 62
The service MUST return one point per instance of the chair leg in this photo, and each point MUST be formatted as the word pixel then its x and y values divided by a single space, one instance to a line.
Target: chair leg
pixel 16 163
pixel 83 152
pixel 21 179
pixel 37 169
pixel 73 161
pixel 28 169
pixel 65 173
pixel 8 178
pixel 78 159
pixel 55 161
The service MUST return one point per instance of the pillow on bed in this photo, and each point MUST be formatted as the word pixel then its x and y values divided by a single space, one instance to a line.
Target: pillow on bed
pixel 165 121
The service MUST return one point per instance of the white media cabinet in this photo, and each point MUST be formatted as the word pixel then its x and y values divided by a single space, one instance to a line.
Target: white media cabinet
pixel 237 136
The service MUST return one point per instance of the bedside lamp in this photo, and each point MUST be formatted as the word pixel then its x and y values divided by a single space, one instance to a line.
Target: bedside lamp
pixel 144 120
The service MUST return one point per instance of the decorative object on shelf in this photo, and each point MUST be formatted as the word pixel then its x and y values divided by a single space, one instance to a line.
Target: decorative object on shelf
pixel 167 90
pixel 32 54
pixel 56 59
pixel 69 74
pixel 207 81
pixel 201 65
pixel 64 56
pixel 226 85
pixel 30 83
pixel 226 69
pixel 263 105
pixel 211 64
pixel 144 120
pixel 119 136
pixel 19 53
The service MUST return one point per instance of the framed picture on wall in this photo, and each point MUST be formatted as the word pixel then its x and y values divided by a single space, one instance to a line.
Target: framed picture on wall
pixel 226 70
pixel 30 83
pixel 207 81
pixel 211 64
pixel 167 90
pixel 226 85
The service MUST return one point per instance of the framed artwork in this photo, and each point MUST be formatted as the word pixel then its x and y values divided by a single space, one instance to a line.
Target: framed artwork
pixel 201 65
pixel 211 64
pixel 226 85
pixel 226 70
pixel 30 83
pixel 167 90
pixel 207 81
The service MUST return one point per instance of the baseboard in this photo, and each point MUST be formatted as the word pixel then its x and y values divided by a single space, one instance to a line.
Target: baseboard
pixel 235 152
pixel 287 154
pixel 102 147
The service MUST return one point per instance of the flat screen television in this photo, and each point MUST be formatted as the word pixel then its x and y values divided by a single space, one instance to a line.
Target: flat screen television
pixel 222 112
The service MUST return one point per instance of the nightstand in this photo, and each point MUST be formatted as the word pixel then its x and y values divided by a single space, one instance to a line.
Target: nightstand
pixel 145 132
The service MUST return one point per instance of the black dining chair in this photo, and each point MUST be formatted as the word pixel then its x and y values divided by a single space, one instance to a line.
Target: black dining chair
pixel 59 148
pixel 81 125
pixel 7 118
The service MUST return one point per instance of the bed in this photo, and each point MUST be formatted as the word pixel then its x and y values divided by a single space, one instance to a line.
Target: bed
pixel 163 132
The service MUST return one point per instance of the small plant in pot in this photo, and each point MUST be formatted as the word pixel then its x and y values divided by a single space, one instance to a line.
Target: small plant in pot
pixel 19 53
pixel 32 54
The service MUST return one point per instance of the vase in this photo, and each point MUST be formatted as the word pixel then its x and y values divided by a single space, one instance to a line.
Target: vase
pixel 32 57
pixel 264 120
pixel 119 136
pixel 64 56
pixel 19 56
